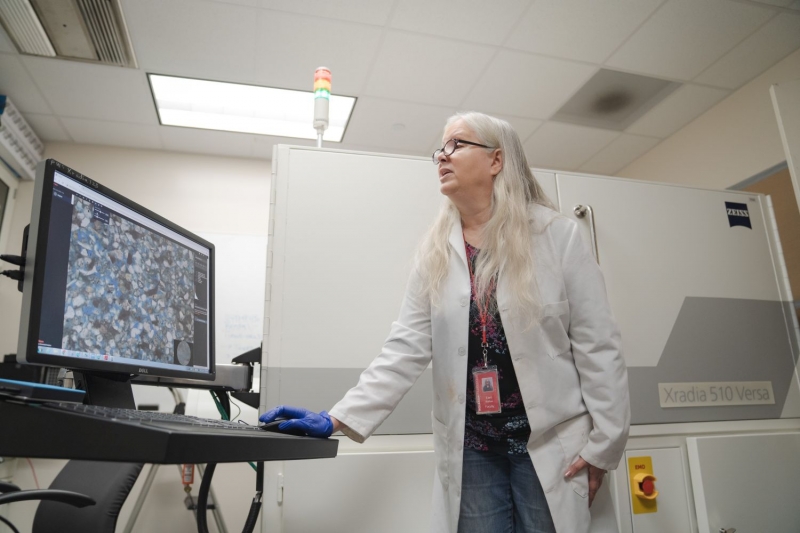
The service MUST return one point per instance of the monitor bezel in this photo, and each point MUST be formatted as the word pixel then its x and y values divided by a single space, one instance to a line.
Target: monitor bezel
pixel 33 286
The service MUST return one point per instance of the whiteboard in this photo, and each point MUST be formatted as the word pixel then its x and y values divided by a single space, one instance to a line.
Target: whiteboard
pixel 241 265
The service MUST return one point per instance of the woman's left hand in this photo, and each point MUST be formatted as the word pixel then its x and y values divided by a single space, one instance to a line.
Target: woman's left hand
pixel 595 476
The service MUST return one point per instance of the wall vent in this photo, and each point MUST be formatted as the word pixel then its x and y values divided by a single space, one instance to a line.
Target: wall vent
pixel 86 30
pixel 20 148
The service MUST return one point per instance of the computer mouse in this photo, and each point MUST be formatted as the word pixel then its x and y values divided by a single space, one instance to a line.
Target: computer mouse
pixel 273 426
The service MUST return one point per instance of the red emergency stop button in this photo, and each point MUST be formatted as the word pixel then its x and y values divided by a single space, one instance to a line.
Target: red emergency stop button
pixel 645 486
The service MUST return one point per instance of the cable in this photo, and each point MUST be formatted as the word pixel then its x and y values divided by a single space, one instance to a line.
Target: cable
pixel 202 498
pixel 33 471
pixel 13 274
pixel 255 507
pixel 238 409
pixel 13 259
pixel 205 489
pixel 224 416
pixel 10 525
pixel 222 412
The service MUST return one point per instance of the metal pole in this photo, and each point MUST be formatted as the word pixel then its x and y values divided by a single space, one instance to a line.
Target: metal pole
pixel 148 482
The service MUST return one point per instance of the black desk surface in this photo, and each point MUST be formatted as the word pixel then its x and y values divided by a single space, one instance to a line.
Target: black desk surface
pixel 34 430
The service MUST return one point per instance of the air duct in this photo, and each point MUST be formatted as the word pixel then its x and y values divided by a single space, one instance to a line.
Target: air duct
pixel 85 30
pixel 20 148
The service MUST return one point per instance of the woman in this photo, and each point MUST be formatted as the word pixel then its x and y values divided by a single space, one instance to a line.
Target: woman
pixel 530 389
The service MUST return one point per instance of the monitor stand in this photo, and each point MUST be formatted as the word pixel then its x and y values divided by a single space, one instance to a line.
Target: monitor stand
pixel 106 389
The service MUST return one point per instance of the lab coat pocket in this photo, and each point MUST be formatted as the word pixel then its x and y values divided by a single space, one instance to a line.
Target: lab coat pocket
pixel 441 449
pixel 555 320
pixel 573 436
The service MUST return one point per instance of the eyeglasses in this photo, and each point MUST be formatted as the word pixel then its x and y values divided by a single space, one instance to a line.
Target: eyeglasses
pixel 450 147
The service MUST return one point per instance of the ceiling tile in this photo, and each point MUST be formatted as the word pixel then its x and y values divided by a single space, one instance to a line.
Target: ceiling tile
pixel 386 124
pixel 76 89
pixel 207 40
pixel 17 84
pixel 207 141
pixel 291 47
pixel 527 86
pixel 472 20
pixel 618 154
pixel 781 3
pixel 6 45
pixel 684 37
pixel 399 71
pixel 523 126
pixel 366 11
pixel 565 146
pixel 771 43
pixel 112 133
pixel 47 127
pixel 585 30
pixel 678 109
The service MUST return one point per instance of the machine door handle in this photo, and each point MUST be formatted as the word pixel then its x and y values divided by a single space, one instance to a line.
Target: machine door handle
pixel 581 211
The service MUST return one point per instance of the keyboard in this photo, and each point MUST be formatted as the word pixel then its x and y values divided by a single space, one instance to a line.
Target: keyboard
pixel 156 418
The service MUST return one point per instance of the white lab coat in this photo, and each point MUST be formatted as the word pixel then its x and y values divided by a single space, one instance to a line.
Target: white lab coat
pixel 569 367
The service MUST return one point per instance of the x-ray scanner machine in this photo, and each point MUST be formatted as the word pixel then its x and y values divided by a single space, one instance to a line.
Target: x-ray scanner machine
pixel 695 277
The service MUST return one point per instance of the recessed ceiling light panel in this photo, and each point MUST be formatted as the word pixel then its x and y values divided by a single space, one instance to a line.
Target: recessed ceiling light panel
pixel 224 106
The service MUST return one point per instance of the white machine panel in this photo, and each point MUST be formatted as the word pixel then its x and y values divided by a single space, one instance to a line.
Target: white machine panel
pixel 359 493
pixel 693 277
pixel 673 513
pixel 746 482
pixel 344 230
pixel 700 298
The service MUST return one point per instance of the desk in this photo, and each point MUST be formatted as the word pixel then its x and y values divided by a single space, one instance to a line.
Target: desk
pixel 34 430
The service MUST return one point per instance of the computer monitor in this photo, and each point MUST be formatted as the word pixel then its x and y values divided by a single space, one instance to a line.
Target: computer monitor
pixel 111 287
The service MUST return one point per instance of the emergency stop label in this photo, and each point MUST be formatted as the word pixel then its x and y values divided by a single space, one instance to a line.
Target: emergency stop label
pixel 714 394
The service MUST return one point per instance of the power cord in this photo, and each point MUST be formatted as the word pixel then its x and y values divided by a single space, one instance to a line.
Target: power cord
pixel 14 260
pixel 205 488
pixel 13 274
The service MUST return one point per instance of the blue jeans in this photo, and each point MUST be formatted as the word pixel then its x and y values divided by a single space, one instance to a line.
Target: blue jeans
pixel 502 494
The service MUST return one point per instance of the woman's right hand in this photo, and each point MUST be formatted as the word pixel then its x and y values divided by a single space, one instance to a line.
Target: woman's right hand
pixel 297 418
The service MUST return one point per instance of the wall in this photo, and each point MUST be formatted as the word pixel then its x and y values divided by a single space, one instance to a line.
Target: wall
pixel 731 142
pixel 204 194
pixel 201 193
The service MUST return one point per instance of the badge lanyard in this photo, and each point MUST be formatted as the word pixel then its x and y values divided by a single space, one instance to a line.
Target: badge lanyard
pixel 485 380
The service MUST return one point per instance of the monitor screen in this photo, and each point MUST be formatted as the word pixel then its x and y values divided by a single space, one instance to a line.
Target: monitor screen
pixel 110 286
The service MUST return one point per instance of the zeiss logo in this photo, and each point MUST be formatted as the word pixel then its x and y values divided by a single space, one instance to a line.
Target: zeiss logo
pixel 143 371
pixel 738 215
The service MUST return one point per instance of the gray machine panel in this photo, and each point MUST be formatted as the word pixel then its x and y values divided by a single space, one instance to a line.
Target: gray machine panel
pixel 746 482
pixel 698 293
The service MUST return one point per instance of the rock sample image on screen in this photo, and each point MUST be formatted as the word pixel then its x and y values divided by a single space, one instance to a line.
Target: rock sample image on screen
pixel 130 291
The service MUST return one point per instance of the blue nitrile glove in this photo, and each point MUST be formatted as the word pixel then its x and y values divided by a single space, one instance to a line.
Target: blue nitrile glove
pixel 311 423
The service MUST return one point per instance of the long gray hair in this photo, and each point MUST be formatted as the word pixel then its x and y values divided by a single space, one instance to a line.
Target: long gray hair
pixel 506 244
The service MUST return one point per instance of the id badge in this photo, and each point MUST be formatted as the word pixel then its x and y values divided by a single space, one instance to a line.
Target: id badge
pixel 487 390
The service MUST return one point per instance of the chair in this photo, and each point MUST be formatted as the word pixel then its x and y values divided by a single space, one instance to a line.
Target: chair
pixel 85 496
